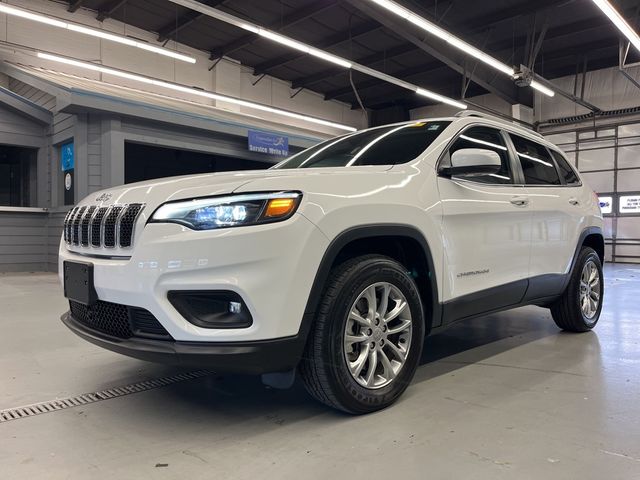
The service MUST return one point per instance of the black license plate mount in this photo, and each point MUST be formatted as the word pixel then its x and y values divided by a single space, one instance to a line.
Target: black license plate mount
pixel 78 282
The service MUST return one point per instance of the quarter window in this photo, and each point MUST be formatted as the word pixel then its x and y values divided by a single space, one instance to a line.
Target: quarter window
pixel 537 165
pixel 569 175
pixel 489 139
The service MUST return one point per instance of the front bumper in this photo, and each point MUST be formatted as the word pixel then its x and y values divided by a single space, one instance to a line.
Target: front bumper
pixel 270 267
pixel 254 358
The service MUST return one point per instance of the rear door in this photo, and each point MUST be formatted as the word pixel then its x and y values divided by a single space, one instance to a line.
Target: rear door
pixel 555 204
pixel 486 230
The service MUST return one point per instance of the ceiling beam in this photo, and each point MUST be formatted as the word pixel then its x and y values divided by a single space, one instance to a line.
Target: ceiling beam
pixel 305 82
pixel 474 26
pixel 289 20
pixel 480 74
pixel 169 31
pixel 329 42
pixel 74 5
pixel 109 9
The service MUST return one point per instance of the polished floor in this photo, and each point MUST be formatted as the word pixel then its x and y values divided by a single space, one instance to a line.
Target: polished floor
pixel 504 396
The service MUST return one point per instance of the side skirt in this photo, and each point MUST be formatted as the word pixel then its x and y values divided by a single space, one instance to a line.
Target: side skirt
pixel 540 290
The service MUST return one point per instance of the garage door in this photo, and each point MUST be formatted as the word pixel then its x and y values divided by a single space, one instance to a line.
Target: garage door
pixel 609 159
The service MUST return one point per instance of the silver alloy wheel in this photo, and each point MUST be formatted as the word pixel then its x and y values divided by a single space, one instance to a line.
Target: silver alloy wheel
pixel 590 290
pixel 377 335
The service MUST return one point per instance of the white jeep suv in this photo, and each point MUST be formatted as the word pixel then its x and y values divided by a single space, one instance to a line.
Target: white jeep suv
pixel 338 261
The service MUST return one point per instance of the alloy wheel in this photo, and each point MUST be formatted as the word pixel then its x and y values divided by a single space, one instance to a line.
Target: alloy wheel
pixel 377 335
pixel 590 290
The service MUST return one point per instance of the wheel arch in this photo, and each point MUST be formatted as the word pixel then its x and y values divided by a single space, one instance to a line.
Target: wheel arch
pixel 386 239
pixel 590 237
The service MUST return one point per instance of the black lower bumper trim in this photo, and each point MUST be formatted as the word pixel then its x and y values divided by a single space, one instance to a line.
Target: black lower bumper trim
pixel 253 358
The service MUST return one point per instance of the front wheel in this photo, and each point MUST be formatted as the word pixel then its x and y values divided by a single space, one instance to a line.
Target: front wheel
pixel 367 337
pixel 578 310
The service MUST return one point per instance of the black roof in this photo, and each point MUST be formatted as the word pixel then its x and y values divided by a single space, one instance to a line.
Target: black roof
pixel 575 34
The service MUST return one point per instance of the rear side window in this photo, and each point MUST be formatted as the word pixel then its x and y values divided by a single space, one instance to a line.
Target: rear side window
pixel 537 165
pixel 490 139
pixel 569 175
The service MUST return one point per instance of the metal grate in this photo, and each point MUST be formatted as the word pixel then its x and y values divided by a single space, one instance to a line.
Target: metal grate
pixel 75 225
pixel 96 227
pixel 84 226
pixel 108 227
pixel 18 413
pixel 127 224
pixel 118 320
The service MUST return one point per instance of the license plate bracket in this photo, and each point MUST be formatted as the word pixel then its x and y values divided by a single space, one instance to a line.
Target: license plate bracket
pixel 78 282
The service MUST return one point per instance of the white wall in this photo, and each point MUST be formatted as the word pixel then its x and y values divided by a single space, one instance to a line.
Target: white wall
pixel 228 77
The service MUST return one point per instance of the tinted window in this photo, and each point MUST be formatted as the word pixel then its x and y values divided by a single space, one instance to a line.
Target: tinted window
pixel 537 165
pixel 489 139
pixel 569 175
pixel 379 146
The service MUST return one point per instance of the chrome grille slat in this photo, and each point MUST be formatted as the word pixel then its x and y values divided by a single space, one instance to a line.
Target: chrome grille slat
pixel 102 227
pixel 84 226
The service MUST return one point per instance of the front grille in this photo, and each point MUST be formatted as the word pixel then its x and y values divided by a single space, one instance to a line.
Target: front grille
pixel 118 320
pixel 107 227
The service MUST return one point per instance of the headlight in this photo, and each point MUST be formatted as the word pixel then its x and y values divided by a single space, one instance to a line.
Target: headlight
pixel 229 211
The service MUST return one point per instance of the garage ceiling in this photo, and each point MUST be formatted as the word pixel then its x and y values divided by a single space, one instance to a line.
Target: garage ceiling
pixel 575 35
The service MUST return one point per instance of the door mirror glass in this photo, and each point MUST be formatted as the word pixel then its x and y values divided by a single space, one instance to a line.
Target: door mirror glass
pixel 473 161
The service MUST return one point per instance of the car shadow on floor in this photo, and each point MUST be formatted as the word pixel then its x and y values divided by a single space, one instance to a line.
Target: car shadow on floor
pixel 221 398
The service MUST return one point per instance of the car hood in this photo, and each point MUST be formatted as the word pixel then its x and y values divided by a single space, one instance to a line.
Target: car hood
pixel 154 193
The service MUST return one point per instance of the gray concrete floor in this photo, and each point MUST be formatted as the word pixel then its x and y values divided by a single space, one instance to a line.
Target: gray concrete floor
pixel 504 396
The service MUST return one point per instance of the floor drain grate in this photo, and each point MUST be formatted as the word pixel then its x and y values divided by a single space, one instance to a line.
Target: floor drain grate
pixel 86 398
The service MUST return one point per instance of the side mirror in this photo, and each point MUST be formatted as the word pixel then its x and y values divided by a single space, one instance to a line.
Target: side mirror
pixel 473 161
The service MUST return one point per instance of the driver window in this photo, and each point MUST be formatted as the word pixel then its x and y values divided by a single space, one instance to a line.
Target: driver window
pixel 490 139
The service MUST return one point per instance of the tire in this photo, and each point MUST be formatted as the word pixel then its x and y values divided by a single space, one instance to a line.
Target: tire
pixel 324 368
pixel 568 311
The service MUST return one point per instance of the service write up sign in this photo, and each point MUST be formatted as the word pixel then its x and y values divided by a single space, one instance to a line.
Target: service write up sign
pixel 269 143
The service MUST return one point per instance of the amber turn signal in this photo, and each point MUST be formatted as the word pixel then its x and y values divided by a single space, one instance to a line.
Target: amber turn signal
pixel 279 207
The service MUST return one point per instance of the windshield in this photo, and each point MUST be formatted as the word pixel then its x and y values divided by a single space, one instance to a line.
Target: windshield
pixel 379 146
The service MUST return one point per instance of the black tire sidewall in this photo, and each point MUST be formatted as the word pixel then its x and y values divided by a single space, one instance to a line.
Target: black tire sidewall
pixel 353 396
pixel 586 255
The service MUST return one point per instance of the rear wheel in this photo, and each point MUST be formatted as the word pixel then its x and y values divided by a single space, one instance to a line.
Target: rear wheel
pixel 578 310
pixel 367 336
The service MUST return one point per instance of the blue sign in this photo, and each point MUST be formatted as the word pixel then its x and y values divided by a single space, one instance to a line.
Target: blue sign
pixel 269 143
pixel 66 157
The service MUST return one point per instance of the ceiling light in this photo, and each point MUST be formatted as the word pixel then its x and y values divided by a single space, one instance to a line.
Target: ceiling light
pixel 191 90
pixel 541 88
pixel 440 98
pixel 619 22
pixel 74 27
pixel 281 39
pixel 452 40
pixel 316 52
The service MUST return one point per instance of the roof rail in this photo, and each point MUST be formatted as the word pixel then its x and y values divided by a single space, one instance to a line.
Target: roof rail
pixel 475 113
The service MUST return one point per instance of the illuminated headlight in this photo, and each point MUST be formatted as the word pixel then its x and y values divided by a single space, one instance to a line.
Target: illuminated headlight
pixel 229 211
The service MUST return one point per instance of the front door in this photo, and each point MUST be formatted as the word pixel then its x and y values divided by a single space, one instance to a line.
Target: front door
pixel 486 229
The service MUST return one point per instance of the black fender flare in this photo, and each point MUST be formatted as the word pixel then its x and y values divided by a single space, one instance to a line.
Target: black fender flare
pixel 583 236
pixel 359 233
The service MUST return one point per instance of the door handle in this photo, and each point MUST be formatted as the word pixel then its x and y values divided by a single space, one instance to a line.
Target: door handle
pixel 519 201
pixel 574 201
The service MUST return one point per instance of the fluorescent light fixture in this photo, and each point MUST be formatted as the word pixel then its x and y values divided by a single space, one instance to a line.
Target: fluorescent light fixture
pixel 541 88
pixel 452 40
pixel 620 23
pixel 316 52
pixel 440 98
pixel 74 27
pixel 276 37
pixel 194 91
